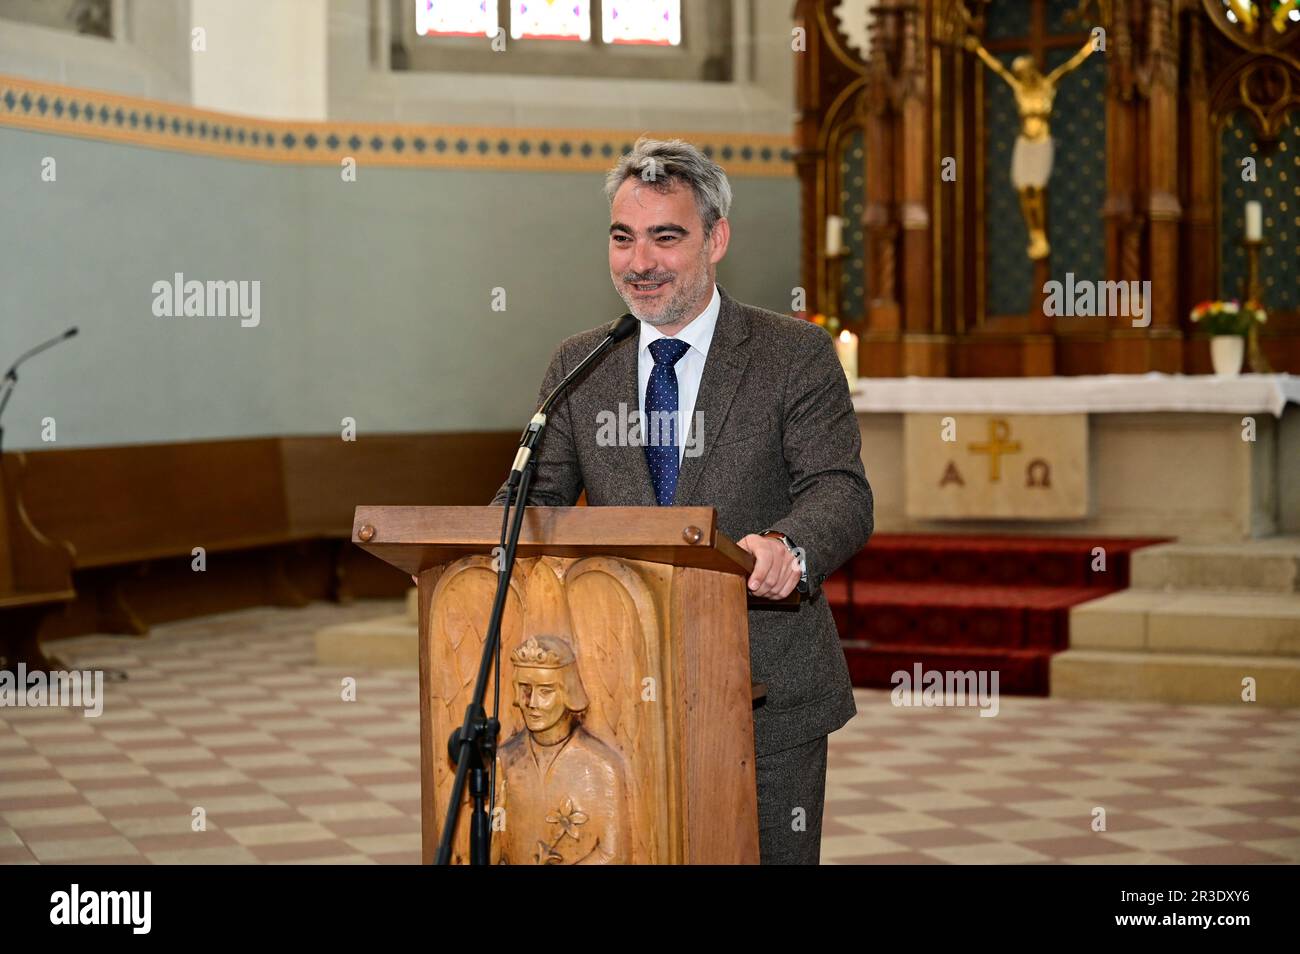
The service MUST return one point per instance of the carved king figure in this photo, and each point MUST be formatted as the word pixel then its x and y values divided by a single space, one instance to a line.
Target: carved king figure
pixel 563 790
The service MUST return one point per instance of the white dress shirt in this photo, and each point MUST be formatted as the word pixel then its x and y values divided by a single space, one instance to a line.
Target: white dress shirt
pixel 690 368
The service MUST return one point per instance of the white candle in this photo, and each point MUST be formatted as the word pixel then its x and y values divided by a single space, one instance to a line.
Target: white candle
pixel 834 235
pixel 846 346
pixel 1254 221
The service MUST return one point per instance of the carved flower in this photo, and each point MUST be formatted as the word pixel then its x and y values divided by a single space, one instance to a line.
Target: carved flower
pixel 568 818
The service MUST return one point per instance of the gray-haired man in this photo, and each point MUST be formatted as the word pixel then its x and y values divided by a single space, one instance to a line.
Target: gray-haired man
pixel 778 458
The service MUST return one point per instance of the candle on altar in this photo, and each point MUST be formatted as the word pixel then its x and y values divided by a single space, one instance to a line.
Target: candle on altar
pixel 846 346
pixel 834 235
pixel 1254 221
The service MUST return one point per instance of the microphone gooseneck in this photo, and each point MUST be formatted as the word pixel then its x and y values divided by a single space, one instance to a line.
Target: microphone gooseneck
pixel 619 329
pixel 11 376
pixel 13 368
pixel 473 745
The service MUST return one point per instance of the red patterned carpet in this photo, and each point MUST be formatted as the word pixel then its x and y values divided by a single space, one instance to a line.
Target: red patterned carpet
pixel 969 602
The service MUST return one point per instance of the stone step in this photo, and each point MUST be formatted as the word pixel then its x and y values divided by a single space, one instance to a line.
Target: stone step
pixel 388 642
pixel 1270 565
pixel 413 605
pixel 1175 678
pixel 1266 624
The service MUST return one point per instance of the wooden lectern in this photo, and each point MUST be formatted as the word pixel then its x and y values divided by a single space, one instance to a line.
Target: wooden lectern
pixel 626 705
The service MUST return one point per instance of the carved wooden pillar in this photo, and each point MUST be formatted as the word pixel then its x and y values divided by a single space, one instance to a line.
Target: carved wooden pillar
pixel 923 353
pixel 809 159
pixel 1123 223
pixel 830 81
pixel 880 352
pixel 1120 160
pixel 1164 211
pixel 1198 281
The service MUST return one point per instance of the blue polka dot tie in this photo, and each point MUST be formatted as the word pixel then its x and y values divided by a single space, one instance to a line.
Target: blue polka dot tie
pixel 659 428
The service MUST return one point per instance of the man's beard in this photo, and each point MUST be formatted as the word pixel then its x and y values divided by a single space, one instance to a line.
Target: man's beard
pixel 676 309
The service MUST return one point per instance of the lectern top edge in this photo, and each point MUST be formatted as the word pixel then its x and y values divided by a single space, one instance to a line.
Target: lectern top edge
pixel 416 538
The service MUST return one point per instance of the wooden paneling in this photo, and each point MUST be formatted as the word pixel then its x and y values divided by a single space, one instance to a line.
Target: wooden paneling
pixel 714 695
pixel 1080 354
pixel 274 516
pixel 139 502
pixel 326 478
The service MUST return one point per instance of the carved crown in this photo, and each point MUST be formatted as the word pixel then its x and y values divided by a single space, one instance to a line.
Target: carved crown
pixel 543 652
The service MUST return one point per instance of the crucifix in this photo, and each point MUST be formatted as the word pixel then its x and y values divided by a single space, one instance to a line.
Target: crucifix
pixel 1032 157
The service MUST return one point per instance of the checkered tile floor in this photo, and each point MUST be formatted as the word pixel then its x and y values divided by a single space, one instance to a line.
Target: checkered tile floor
pixel 229 714
pixel 1177 784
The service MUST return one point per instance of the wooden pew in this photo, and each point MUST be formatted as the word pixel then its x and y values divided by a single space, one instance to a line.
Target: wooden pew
pixel 273 515
pixel 35 574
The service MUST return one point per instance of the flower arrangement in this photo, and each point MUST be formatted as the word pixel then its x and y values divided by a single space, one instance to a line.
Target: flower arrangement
pixel 1229 317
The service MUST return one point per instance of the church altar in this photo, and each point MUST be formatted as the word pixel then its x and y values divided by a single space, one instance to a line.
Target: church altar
pixel 1089 394
pixel 1192 457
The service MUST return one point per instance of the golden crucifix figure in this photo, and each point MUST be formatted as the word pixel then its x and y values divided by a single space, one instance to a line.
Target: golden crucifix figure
pixel 1031 160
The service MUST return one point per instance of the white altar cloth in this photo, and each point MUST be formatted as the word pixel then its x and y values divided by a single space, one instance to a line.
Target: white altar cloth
pixel 1089 394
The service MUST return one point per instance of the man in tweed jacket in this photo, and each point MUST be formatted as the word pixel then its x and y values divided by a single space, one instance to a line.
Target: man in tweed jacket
pixel 776 452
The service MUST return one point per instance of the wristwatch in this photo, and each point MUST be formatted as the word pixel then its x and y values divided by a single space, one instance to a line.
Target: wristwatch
pixel 798 555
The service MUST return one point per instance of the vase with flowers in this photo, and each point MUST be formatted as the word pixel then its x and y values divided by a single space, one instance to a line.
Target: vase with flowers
pixel 1228 323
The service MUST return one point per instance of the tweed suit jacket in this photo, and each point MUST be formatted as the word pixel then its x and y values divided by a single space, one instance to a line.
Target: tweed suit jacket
pixel 780 450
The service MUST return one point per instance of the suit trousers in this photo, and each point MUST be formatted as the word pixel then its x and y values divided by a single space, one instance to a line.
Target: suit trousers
pixel 791 795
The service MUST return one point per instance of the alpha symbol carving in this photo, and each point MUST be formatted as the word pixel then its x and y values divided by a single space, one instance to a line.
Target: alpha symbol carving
pixel 1005 467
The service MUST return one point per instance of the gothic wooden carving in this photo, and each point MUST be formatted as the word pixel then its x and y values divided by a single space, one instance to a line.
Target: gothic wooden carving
pixel 584 772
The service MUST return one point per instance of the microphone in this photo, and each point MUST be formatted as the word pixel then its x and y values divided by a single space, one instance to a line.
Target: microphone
pixel 11 376
pixel 70 333
pixel 619 329
pixel 473 744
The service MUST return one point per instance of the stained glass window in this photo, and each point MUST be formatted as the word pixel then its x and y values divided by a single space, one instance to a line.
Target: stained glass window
pixel 624 22
pixel 456 17
pixel 656 22
pixel 550 19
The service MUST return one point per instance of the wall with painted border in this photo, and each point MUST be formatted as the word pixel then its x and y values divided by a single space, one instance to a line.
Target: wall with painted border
pixel 376 295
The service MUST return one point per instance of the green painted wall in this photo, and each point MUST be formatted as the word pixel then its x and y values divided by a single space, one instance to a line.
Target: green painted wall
pixel 375 295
